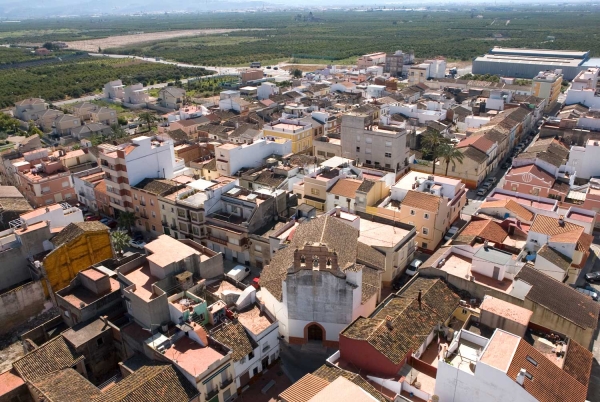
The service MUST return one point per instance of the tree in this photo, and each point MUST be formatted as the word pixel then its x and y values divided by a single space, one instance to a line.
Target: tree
pixel 120 239
pixel 452 155
pixel 126 220
pixel 33 130
pixel 148 118
pixel 297 73
pixel 431 144
pixel 118 131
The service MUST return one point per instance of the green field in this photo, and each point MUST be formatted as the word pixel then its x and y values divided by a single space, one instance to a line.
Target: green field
pixel 84 76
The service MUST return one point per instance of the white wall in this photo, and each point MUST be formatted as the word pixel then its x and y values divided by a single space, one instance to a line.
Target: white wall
pixel 332 330
pixel 549 268
pixel 585 160
pixel 145 161
pixel 253 155
pixel 331 202
pixel 277 309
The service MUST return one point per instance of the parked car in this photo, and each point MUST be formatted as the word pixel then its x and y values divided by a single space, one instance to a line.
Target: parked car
pixel 505 165
pixel 482 191
pixel 268 67
pixel 487 185
pixel 109 222
pixel 491 180
pixel 451 232
pixel 593 276
pixel 275 68
pixel 239 272
pixel 137 236
pixel 413 267
pixel 588 292
pixel 137 244
pixel 92 218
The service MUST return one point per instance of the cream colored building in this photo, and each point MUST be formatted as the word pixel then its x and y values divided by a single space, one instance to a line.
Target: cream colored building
pixel 547 85
pixel 297 131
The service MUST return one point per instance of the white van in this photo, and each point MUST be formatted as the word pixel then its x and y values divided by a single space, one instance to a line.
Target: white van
pixel 239 273
pixel 411 270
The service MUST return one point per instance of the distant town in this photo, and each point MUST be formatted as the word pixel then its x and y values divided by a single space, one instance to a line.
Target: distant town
pixel 401 229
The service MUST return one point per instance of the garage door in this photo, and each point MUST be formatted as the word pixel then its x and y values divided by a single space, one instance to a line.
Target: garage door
pixel 245 378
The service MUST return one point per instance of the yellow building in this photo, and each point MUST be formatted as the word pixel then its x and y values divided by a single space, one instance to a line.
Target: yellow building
pixel 547 85
pixel 297 131
pixel 77 247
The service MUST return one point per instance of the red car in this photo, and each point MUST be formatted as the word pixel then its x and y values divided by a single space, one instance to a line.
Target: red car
pixel 92 218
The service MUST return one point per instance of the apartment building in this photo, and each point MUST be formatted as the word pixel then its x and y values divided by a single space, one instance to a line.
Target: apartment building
pixel 370 144
pixel 183 211
pixel 146 204
pixel 84 183
pixel 371 59
pixel 242 212
pixel 231 158
pixel 547 85
pixel 129 163
pixel 583 89
pixel 43 179
pixel 299 132
pixel 430 203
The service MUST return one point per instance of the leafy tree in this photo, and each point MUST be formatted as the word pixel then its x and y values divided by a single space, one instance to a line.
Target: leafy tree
pixel 148 118
pixel 432 144
pixel 48 45
pixel 122 120
pixel 452 155
pixel 76 147
pixel 126 220
pixel 297 73
pixel 120 239
pixel 33 130
pixel 118 132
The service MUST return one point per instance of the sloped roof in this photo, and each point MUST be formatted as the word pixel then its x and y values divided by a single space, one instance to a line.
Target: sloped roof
pixel 346 187
pixel 66 385
pixel 533 170
pixel 52 356
pixel 304 389
pixel 511 205
pixel 478 142
pixel 156 186
pixel 418 199
pixel 411 321
pixel 234 336
pixel 331 373
pixel 578 362
pixel 559 298
pixel 486 229
pixel 474 154
pixel 549 382
pixel 558 259
pixel 157 383
pixel 74 230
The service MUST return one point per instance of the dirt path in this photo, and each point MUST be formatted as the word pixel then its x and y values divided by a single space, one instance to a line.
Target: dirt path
pixel 92 45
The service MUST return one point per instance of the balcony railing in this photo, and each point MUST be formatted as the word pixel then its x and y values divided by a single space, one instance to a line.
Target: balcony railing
pixel 144 216
pixel 212 394
pixel 165 224
pixel 226 383
pixel 173 227
pixel 217 240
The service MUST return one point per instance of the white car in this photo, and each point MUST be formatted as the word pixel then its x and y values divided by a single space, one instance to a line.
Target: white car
pixel 239 272
pixel 137 244
pixel 588 292
pixel 411 270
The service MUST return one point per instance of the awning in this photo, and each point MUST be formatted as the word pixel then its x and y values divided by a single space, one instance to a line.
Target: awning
pixel 576 195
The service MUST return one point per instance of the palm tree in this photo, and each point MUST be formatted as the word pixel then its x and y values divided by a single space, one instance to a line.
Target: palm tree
pixel 120 239
pixel 431 143
pixel 452 155
pixel 126 220
pixel 149 118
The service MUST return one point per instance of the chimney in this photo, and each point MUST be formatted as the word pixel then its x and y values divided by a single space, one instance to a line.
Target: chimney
pixel 521 377
pixel 388 322
pixel 485 245
pixel 338 211
pixel 561 220
pixel 419 299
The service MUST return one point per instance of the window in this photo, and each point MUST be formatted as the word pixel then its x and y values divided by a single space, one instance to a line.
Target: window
pixel 531 360
pixel 425 231
pixel 137 209
pixel 194 216
pixel 151 202
pixel 99 341
pixel 251 355
pixel 153 214
pixel 337 197
pixel 195 230
pixel 67 313
pixel 368 150
pixel 134 196
pixel 387 166
pixel 388 143
pixel 377 163
pixel 412 212
pixel 368 162
pixel 258 247
pixel 163 206
pixel 369 140
pixel 181 213
pixel 424 245
pixel 65 183
pixel 388 154
pixel 154 228
pixel 128 305
pixel 529 375
pixel 426 215
pixel 314 191
pixel 453 168
pixel 172 210
pixel 357 149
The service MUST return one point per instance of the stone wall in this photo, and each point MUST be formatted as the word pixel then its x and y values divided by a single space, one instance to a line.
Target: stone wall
pixel 20 304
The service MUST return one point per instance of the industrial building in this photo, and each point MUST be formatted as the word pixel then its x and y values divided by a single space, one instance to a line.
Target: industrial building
pixel 527 63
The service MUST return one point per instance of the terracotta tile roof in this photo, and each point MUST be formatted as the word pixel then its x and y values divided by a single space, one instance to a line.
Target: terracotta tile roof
pixel 66 385
pixel 304 389
pixel 566 232
pixel 151 384
pixel 474 154
pixel 369 256
pixel 487 229
pixel 410 321
pixel 346 188
pixel 73 230
pixel 331 373
pixel 511 205
pixel 366 186
pixel 559 298
pixel 478 142
pixel 156 186
pixel 417 199
pixel 560 260
pixel 52 356
pixel 578 362
pixel 530 169
pixel 234 336
pixel 549 382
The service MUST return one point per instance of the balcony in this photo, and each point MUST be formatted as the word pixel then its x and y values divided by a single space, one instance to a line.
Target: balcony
pixel 212 394
pixel 165 224
pixel 143 203
pixel 217 240
pixel 173 227
pixel 144 216
pixel 226 383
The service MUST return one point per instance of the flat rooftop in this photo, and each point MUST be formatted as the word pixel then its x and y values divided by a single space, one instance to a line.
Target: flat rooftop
pixel 167 250
pixel 539 52
pixel 506 310
pixel 379 234
pixel 500 350
pixel 546 206
pixel 82 333
pixel 143 281
pixel 287 127
pixel 580 217
pixel 465 357
pixel 191 356
pixel 406 182
pixel 460 266
pixel 254 320
pixel 81 294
